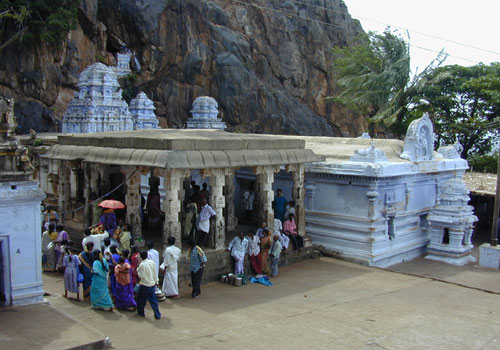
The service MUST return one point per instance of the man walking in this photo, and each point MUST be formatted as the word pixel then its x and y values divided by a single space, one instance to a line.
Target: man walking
pixel 170 279
pixel 148 280
pixel 197 261
pixel 206 213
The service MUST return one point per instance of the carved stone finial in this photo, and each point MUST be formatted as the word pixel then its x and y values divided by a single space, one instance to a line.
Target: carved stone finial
pixel 419 140
pixel 370 154
pixel 451 151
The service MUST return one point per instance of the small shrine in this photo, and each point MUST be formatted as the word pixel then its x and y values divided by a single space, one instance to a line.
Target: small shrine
pixel 204 114
pixel 451 225
pixel 143 112
pixel 20 198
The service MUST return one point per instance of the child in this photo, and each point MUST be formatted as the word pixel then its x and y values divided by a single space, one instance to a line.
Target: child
pixel 275 255
pixel 125 237
pixel 71 262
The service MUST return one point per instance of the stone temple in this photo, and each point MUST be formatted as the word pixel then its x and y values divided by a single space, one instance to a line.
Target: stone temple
pixel 377 202
pixel 99 106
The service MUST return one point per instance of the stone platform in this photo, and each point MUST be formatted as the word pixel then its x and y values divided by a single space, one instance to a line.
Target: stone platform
pixel 45 328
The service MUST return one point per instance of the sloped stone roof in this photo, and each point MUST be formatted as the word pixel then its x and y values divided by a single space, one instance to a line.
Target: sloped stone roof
pixel 176 149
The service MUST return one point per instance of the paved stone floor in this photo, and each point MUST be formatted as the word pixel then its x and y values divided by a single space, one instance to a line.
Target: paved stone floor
pixel 317 304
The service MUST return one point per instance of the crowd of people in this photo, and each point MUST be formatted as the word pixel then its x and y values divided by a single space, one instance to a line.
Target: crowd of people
pixel 114 273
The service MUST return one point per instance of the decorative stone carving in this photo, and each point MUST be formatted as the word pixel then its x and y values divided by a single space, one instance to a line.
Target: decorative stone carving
pixel 204 114
pixel 451 151
pixel 370 155
pixel 99 106
pixel 419 140
pixel 143 112
pixel 451 225
pixel 122 67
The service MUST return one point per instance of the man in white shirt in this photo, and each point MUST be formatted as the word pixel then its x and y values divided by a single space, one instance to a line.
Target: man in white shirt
pixel 154 256
pixel 170 258
pixel 203 226
pixel 248 198
pixel 148 280
pixel 238 248
pixel 97 239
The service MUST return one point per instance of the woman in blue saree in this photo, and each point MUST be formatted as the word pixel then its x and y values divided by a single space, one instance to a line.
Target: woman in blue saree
pixel 86 260
pixel 99 294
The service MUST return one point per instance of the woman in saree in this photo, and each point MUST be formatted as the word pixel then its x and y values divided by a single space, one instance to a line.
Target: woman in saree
pixel 48 249
pixel 99 294
pixel 135 260
pixel 265 245
pixel 71 263
pixel 124 290
pixel 87 261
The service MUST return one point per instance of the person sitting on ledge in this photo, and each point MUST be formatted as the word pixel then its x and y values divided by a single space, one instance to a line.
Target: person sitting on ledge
pixel 290 229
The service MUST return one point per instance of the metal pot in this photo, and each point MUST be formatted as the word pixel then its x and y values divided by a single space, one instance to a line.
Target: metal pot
pixel 223 279
pixel 237 282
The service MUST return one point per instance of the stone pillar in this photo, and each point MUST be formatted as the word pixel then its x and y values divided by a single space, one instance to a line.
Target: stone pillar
pixel 218 202
pixel 86 194
pixel 133 199
pixel 172 205
pixel 265 179
pixel 104 185
pixel 64 188
pixel 372 198
pixel 231 220
pixel 298 194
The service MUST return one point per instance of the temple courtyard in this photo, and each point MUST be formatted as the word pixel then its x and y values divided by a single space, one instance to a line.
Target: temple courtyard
pixel 320 303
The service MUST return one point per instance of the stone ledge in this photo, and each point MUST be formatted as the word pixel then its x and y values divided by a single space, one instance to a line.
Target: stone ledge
pixel 489 256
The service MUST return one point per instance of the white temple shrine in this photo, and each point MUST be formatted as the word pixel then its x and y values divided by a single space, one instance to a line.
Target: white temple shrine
pixel 204 114
pixel 100 107
pixel 143 112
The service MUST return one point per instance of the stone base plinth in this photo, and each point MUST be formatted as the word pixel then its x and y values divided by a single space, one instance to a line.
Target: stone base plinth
pixel 489 256
pixel 458 260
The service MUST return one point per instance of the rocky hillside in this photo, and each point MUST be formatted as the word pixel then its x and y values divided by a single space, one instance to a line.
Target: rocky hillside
pixel 268 69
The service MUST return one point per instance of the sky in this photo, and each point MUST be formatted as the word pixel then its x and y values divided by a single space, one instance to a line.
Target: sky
pixel 473 23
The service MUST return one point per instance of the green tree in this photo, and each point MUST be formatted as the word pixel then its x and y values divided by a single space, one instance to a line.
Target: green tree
pixel 464 105
pixel 373 76
pixel 37 21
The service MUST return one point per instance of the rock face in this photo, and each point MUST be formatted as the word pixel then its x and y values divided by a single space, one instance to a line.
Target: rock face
pixel 268 68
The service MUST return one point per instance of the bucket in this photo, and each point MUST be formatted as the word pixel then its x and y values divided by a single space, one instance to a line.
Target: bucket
pixel 230 279
pixel 223 279
pixel 237 282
